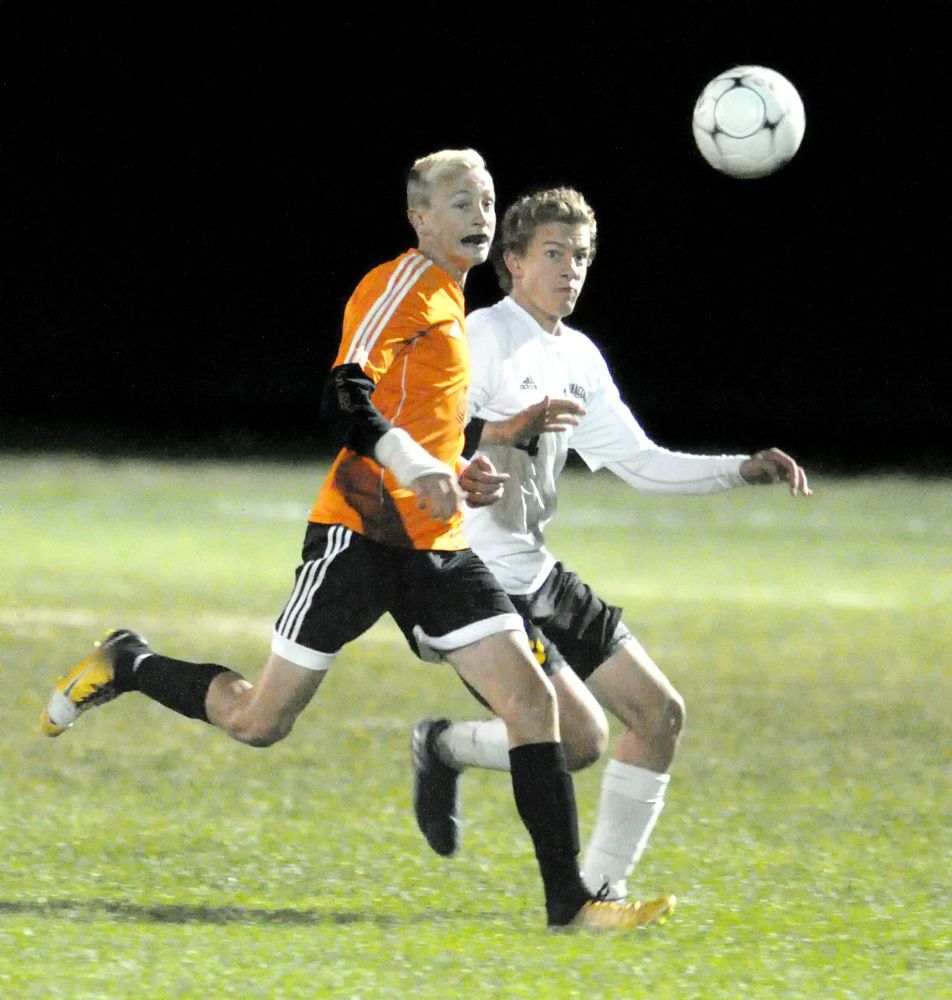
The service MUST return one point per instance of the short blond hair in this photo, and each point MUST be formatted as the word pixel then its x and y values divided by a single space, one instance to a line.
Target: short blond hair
pixel 426 171
pixel 527 214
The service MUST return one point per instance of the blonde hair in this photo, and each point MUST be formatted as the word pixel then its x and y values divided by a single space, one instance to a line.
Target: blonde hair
pixel 426 171
pixel 526 215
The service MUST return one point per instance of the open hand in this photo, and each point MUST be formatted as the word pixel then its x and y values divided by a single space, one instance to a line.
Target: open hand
pixel 540 418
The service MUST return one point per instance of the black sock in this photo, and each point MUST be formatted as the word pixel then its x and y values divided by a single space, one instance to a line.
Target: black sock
pixel 545 799
pixel 176 684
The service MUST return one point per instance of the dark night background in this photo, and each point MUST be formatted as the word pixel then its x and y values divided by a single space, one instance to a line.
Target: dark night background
pixel 191 196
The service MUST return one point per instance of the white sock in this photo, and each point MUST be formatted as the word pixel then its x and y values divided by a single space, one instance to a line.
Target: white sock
pixel 631 802
pixel 475 744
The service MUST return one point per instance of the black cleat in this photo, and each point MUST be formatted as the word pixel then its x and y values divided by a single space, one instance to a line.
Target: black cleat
pixel 436 791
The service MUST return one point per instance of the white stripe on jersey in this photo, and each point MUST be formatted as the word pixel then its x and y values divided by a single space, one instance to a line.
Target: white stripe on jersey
pixel 403 387
pixel 309 581
pixel 401 281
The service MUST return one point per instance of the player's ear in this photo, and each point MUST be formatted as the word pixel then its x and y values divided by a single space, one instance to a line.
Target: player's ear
pixel 513 263
pixel 416 220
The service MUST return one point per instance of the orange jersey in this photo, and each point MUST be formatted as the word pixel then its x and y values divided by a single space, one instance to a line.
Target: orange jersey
pixel 405 327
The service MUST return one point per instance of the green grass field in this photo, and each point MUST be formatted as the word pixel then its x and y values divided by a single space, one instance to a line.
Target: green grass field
pixel 808 831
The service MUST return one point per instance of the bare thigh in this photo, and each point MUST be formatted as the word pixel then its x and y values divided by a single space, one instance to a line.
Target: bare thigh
pixel 635 690
pixel 630 683
pixel 503 670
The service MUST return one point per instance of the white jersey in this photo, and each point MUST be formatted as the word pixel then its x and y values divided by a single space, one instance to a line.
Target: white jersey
pixel 516 363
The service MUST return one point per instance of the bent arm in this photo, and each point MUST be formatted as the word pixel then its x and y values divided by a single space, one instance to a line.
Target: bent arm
pixel 346 406
pixel 522 430
pixel 358 425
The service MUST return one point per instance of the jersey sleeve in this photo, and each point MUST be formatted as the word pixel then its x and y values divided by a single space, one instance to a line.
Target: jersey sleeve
pixel 386 312
pixel 389 309
pixel 609 436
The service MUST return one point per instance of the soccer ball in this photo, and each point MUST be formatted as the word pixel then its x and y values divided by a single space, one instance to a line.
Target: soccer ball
pixel 749 121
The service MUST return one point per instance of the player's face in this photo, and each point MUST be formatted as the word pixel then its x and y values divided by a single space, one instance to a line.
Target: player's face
pixel 458 227
pixel 548 278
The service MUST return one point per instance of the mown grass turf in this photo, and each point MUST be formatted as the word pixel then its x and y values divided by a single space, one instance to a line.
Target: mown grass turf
pixel 807 833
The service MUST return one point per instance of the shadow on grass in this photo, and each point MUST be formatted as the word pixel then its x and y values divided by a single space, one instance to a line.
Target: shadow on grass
pixel 73 909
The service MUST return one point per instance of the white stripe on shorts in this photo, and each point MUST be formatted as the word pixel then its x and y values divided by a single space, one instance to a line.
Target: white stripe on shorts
pixel 308 583
pixel 432 648
pixel 310 659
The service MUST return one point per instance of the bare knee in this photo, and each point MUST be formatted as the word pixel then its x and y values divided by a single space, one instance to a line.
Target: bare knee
pixel 652 731
pixel 266 735
pixel 244 722
pixel 582 724
pixel 659 718
pixel 635 690
pixel 258 732
pixel 582 721
pixel 262 714
pixel 674 715
pixel 532 706
pixel 584 746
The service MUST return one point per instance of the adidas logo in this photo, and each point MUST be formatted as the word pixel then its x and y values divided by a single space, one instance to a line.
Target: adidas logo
pixel 527 383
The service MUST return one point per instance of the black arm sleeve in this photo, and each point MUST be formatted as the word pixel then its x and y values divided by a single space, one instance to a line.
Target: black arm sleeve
pixel 345 404
pixel 471 436
pixel 474 431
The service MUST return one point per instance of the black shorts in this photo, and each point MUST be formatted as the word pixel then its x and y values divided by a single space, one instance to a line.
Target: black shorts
pixel 440 600
pixel 568 623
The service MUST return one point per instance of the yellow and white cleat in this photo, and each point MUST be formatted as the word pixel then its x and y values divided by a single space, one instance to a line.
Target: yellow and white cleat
pixel 90 683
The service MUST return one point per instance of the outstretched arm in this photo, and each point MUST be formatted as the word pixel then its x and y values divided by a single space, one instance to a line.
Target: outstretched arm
pixel 775 466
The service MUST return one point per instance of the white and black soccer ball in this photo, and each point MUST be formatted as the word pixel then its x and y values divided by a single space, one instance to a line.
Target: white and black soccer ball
pixel 749 121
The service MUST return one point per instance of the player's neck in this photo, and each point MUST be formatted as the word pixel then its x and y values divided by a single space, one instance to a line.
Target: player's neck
pixel 548 322
pixel 453 269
